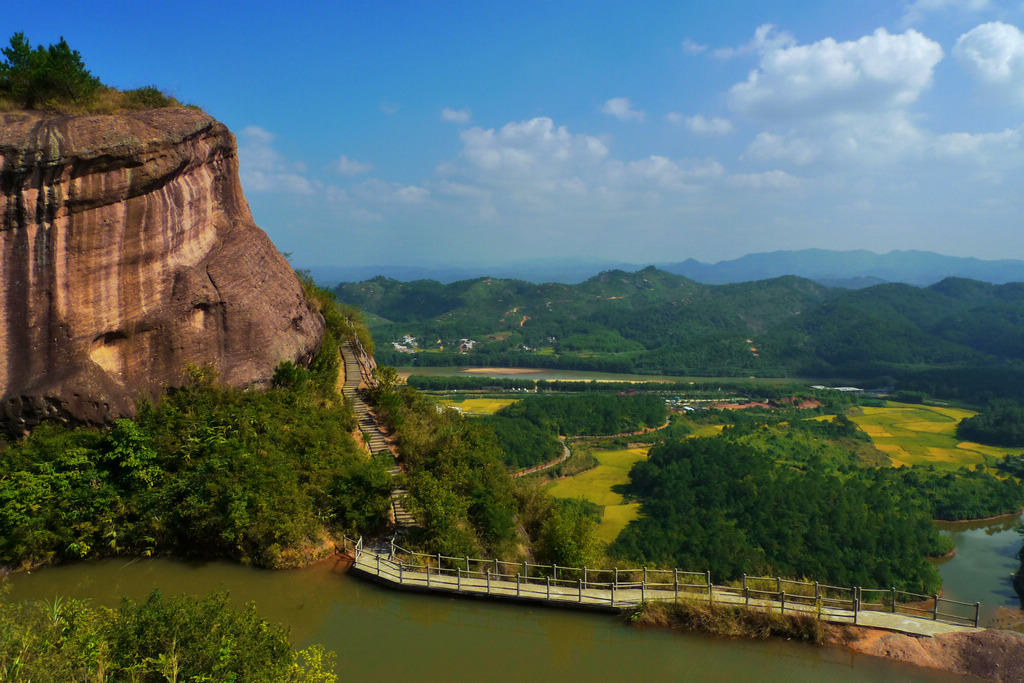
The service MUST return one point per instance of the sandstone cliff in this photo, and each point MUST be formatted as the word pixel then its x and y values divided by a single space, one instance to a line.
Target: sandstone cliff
pixel 127 251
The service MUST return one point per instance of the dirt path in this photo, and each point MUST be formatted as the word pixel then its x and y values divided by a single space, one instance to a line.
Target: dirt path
pixel 545 465
pixel 565 454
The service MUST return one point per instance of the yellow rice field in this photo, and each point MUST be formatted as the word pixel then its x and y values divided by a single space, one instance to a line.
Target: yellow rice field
pixel 477 406
pixel 596 486
pixel 917 434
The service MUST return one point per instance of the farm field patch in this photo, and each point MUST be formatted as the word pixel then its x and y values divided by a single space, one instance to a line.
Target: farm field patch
pixel 596 486
pixel 615 519
pixel 706 430
pixel 477 406
pixel 916 435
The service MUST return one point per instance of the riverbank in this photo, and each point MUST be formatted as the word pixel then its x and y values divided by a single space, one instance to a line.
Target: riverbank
pixel 993 518
pixel 991 654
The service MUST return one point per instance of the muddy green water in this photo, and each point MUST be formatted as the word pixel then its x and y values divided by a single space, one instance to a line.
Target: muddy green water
pixel 390 636
pixel 986 555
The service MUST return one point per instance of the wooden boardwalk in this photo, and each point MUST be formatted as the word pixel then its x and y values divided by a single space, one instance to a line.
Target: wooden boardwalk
pixel 616 590
pixel 375 440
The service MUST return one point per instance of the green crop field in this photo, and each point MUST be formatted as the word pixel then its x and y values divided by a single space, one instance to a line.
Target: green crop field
pixel 596 486
pixel 614 520
pixel 706 430
pixel 917 434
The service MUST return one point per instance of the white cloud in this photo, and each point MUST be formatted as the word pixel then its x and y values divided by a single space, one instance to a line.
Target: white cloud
pixel 456 115
pixel 798 150
pixel 692 47
pixel 875 139
pixel 534 148
pixel 767 38
pixel 537 171
pixel 263 169
pixel 346 166
pixel 622 109
pixel 879 71
pixel 769 180
pixel 675 118
pixel 388 108
pixel 665 173
pixel 918 9
pixel 700 125
pixel 379 192
pixel 994 52
pixel 453 189
pixel 980 146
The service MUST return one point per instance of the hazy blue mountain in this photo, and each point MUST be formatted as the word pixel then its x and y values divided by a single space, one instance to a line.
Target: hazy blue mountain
pixel 845 269
pixel 852 269
pixel 564 271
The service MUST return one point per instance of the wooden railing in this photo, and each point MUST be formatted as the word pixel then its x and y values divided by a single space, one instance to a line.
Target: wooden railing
pixel 622 587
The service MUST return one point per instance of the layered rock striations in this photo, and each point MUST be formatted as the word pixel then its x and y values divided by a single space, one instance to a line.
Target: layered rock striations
pixel 128 252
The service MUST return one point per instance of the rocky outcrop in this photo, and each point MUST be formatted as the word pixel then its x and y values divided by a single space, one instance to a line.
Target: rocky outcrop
pixel 127 252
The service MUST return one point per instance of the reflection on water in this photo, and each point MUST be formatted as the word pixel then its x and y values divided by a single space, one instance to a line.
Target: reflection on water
pixel 391 635
pixel 986 556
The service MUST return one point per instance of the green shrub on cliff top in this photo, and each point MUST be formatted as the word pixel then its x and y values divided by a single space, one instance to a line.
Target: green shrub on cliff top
pixel 55 78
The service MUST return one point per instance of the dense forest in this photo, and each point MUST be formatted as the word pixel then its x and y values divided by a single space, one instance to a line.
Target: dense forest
pixel 591 414
pixel 965 493
pixel 457 482
pixel 459 487
pixel 207 471
pixel 523 443
pixel 718 503
pixel 1000 424
pixel 957 338
pixel 527 430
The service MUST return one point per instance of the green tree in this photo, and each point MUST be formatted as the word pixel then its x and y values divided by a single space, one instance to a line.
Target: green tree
pixel 45 77
pixel 160 639
pixel 568 537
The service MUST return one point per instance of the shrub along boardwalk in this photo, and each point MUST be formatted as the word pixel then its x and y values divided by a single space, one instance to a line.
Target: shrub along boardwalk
pixel 617 589
pixel 371 430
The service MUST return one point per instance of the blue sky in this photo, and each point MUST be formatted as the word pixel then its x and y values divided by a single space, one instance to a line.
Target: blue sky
pixel 439 133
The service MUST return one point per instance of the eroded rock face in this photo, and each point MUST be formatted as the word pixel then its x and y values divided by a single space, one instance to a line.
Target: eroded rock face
pixel 127 251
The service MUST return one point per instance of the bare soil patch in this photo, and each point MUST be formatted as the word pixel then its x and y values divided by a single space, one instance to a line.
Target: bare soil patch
pixel 990 654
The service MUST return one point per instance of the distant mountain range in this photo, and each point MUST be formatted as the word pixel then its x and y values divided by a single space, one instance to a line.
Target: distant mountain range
pixel 846 269
pixel 851 269
pixel 958 338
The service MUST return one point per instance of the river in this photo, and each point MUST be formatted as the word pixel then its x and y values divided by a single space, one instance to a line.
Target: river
pixel 387 635
pixel 986 555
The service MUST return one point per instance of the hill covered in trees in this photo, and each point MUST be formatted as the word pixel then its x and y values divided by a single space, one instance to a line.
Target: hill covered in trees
pixel 956 337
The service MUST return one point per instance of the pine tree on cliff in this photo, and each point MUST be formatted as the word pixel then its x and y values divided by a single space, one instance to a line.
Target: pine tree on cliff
pixel 45 77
